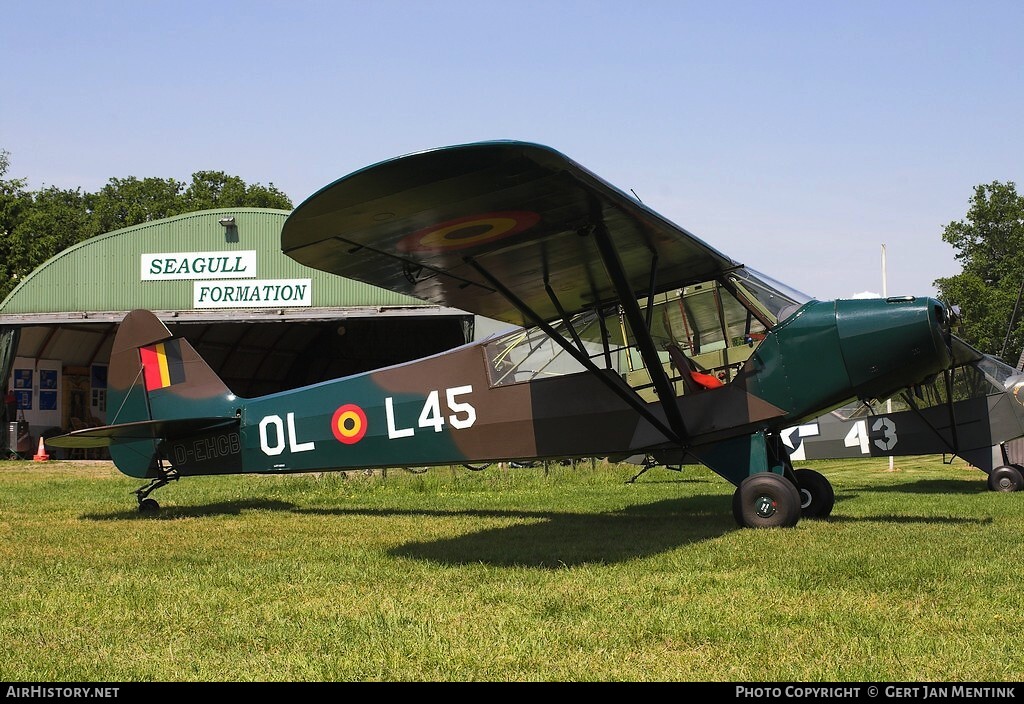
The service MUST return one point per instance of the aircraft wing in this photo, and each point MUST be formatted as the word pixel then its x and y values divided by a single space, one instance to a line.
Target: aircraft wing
pixel 495 228
pixel 171 429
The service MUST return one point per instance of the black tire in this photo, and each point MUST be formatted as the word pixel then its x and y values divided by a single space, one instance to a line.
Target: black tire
pixel 149 507
pixel 816 494
pixel 1006 478
pixel 766 500
pixel 477 467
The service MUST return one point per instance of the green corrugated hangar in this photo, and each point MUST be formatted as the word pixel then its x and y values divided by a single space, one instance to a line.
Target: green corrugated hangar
pixel 218 278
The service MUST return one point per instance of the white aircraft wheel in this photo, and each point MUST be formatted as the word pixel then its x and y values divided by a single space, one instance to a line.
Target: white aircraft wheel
pixel 816 495
pixel 1006 478
pixel 766 500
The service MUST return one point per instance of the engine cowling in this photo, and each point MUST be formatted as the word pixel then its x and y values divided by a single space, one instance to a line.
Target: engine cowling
pixel 830 351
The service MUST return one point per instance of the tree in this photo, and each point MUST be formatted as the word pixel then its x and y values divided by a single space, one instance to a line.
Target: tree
pixel 131 201
pixel 14 202
pixel 55 220
pixel 990 247
pixel 215 189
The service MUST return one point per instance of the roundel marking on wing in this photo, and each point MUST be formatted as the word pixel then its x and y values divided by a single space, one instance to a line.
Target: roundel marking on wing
pixel 1018 392
pixel 349 424
pixel 468 231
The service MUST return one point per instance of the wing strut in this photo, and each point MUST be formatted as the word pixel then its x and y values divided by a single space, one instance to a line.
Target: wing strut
pixel 635 318
pixel 650 290
pixel 948 374
pixel 565 318
pixel 604 337
pixel 954 445
pixel 625 394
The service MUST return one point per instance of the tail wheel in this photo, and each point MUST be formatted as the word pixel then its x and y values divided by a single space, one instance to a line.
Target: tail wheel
pixel 1006 478
pixel 766 500
pixel 816 495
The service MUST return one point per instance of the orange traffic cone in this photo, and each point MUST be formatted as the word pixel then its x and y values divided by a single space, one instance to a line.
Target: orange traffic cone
pixel 41 455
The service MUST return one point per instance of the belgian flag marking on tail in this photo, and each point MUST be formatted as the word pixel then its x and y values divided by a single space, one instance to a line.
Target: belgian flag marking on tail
pixel 162 365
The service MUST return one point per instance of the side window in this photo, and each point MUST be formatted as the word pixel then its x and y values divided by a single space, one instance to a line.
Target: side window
pixel 704 335
pixel 713 329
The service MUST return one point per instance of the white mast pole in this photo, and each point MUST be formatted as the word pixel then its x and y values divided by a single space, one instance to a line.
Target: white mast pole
pixel 885 294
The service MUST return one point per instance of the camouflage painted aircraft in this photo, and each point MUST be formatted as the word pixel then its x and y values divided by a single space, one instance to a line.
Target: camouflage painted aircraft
pixel 974 411
pixel 635 337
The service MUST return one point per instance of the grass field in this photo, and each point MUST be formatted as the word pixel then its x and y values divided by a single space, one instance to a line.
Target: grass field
pixel 558 574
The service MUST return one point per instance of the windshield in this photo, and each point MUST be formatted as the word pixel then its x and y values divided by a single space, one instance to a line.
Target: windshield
pixel 777 299
pixel 1000 373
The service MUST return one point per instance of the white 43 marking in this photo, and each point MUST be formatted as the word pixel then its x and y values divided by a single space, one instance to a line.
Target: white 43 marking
pixel 858 435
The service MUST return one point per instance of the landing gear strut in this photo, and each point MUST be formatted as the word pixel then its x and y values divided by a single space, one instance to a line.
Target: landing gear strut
pixel 147 506
pixel 648 463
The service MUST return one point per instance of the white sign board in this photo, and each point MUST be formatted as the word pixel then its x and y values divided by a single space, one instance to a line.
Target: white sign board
pixel 166 266
pixel 256 293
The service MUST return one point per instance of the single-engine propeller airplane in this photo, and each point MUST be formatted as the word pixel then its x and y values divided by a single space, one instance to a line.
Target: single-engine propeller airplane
pixel 974 411
pixel 636 337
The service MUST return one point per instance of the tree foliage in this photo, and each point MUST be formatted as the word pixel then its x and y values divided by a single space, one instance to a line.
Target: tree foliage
pixel 989 244
pixel 36 225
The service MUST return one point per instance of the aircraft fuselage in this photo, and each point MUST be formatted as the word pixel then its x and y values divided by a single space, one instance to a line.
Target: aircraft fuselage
pixel 446 409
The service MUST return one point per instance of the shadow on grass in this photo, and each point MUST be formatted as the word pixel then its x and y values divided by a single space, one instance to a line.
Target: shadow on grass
pixel 549 539
pixel 898 520
pixel 559 540
pixel 930 486
pixel 674 480
pixel 170 513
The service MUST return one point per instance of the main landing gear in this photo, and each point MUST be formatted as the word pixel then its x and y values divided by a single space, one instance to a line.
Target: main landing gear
pixel 769 500
pixel 1006 478
pixel 816 494
pixel 148 506
pixel 766 500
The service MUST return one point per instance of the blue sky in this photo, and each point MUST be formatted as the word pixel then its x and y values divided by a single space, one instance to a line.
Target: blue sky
pixel 796 137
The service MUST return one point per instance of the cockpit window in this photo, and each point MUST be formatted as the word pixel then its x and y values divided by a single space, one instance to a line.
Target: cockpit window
pixel 705 330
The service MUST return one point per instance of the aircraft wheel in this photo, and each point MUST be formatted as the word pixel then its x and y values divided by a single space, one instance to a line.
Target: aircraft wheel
pixel 816 495
pixel 1006 478
pixel 477 467
pixel 766 500
pixel 149 507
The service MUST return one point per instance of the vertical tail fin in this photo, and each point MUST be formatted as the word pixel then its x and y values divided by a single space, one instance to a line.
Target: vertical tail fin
pixel 154 376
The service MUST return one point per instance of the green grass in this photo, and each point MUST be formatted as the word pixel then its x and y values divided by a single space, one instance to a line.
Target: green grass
pixel 569 574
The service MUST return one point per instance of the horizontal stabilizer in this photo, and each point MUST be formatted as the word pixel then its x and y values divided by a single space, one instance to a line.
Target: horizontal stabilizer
pixel 104 435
